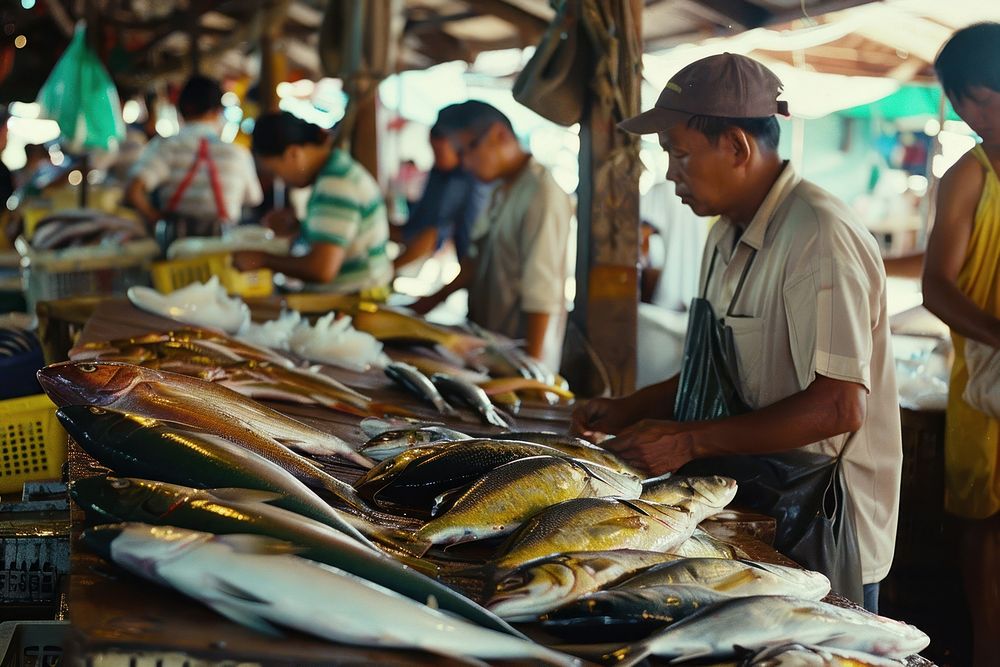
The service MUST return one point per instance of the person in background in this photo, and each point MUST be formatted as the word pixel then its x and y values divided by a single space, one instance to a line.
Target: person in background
pixel 517 266
pixel 345 222
pixel 798 281
pixel 961 285
pixel 6 178
pixel 194 174
pixel 37 157
pixel 448 208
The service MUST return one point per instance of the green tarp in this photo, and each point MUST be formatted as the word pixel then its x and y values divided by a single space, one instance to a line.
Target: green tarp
pixel 906 102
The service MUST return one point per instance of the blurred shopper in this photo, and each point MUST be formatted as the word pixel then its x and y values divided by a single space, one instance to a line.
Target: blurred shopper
pixel 517 265
pixel 345 223
pixel 6 178
pixel 194 178
pixel 962 286
pixel 36 159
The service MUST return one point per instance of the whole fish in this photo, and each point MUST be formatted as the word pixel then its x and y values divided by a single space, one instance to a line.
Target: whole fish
pixel 703 544
pixel 470 395
pixel 203 405
pixel 256 582
pixel 504 498
pixel 141 447
pixel 756 622
pixel 416 478
pixel 237 511
pixel 391 443
pixel 373 426
pixel 419 385
pixel 598 524
pixel 547 583
pixel 205 339
pixel 515 384
pixel 618 615
pixel 807 655
pixel 391 325
pixel 578 448
pixel 429 366
pixel 710 495
pixel 733 578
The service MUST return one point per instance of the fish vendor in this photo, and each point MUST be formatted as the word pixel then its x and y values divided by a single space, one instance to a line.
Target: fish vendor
pixel 345 224
pixel 194 178
pixel 517 267
pixel 788 348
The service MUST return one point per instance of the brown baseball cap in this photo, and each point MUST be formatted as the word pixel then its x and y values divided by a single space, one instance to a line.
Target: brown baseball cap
pixel 727 85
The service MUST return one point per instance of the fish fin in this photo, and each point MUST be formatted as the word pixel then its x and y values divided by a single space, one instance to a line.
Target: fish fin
pixel 258 544
pixel 246 618
pixel 493 416
pixel 234 591
pixel 239 495
pixel 444 501
pixel 407 543
pixel 616 525
pixel 445 409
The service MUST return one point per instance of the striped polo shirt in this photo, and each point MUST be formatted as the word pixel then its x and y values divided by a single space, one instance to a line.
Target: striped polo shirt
pixel 346 208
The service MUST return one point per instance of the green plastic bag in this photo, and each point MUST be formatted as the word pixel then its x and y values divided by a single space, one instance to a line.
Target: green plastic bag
pixel 80 96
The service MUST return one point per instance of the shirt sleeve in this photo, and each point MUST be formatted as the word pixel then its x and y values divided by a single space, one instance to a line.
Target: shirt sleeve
pixel 333 216
pixel 152 168
pixel 544 238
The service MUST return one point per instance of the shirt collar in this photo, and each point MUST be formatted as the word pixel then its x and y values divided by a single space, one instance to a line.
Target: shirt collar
pixel 200 129
pixel 755 232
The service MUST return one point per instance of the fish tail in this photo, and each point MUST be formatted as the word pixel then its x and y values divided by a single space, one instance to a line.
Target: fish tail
pixel 404 545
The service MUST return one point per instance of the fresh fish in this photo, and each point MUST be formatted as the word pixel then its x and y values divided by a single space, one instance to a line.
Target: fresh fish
pixel 470 395
pixel 238 511
pixel 416 478
pixel 703 544
pixel 256 582
pixel 503 385
pixel 578 448
pixel 756 622
pixel 501 500
pixel 419 385
pixel 598 524
pixel 803 655
pixel 202 405
pixel 392 325
pixel 733 578
pixel 625 614
pixel 373 426
pixel 545 584
pixel 206 340
pixel 710 495
pixel 509 401
pixel 391 443
pixel 429 366
pixel 141 447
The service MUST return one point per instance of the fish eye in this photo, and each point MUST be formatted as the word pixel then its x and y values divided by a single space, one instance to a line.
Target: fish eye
pixel 119 483
pixel 96 411
pixel 87 368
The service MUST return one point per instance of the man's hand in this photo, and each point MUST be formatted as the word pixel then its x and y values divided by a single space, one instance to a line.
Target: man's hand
pixel 600 416
pixel 249 260
pixel 655 446
pixel 282 222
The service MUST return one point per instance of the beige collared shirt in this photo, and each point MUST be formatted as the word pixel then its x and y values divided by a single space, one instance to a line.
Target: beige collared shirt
pixel 814 302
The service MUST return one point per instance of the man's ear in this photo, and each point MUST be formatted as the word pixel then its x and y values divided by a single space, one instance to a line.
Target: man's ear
pixel 739 145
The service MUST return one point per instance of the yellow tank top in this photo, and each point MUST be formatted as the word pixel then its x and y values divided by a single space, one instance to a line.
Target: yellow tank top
pixel 972 466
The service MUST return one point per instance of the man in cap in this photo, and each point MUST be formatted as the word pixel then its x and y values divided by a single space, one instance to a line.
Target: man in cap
pixel 800 283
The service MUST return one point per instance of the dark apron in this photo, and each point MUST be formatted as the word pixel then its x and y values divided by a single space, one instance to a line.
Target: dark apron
pixel 804 491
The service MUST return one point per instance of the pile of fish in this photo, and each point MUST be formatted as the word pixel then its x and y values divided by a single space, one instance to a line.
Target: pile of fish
pixel 73 229
pixel 449 535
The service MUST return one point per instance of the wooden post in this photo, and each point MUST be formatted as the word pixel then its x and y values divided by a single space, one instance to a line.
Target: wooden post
pixel 606 308
pixel 364 135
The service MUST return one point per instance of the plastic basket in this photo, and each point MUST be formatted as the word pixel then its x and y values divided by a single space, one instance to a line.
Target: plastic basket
pixel 32 442
pixel 32 643
pixel 176 273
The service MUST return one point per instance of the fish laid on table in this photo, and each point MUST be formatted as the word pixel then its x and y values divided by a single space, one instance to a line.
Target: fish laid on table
pixel 255 581
pixel 392 443
pixel 504 498
pixel 416 478
pixel 703 544
pixel 757 622
pixel 547 583
pixel 373 426
pixel 515 384
pixel 810 655
pixel 710 495
pixel 733 577
pixel 141 447
pixel 237 511
pixel 598 524
pixel 470 395
pixel 429 366
pixel 578 448
pixel 419 385
pixel 393 326
pixel 186 400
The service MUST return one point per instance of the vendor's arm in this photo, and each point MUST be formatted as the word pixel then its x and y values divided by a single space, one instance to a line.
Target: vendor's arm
pixel 609 416
pixel 320 265
pixel 138 198
pixel 150 172
pixel 535 326
pixel 826 408
pixel 958 198
pixel 422 245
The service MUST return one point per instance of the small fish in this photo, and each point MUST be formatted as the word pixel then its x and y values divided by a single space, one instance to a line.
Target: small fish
pixel 373 426
pixel 419 385
pixel 178 398
pixel 808 655
pixel 472 396
pixel 756 622
pixel 515 384
pixel 502 499
pixel 734 578
pixel 707 495
pixel 206 340
pixel 391 443
pixel 390 325
pixel 256 582
pixel 429 366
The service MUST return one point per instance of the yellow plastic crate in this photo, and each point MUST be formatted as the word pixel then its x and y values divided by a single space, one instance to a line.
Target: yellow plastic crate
pixel 176 273
pixel 32 442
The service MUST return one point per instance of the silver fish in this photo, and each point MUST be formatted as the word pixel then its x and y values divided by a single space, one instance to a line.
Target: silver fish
pixel 472 396
pixel 390 443
pixel 373 426
pixel 702 544
pixel 806 655
pixel 734 578
pixel 708 495
pixel 419 385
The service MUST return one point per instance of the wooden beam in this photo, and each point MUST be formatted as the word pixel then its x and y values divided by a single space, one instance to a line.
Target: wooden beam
pixel 528 25
pixel 734 13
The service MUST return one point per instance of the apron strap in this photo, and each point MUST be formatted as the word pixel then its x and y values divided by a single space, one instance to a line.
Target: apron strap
pixel 213 176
